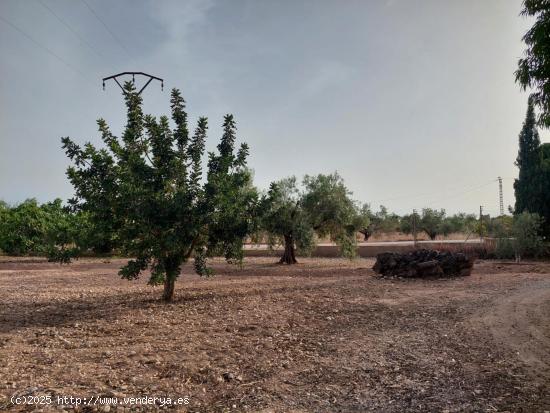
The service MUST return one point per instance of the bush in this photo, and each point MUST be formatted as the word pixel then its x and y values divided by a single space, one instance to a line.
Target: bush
pixel 520 237
pixel 47 229
pixel 526 230
pixel 505 248
pixel 23 229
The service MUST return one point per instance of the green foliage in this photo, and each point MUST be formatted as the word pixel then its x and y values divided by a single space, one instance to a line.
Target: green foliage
pixel 231 196
pixel 434 223
pixel 431 222
pixel 406 223
pixel 500 227
pixel 362 221
pixel 331 211
pixel 460 222
pixel 284 218
pixel 526 187
pixel 505 248
pixel 33 229
pixel 23 228
pixel 544 177
pixel 533 185
pixel 380 222
pixel 533 68
pixel 519 236
pixel 532 188
pixel 323 208
pixel 148 183
pixel 526 231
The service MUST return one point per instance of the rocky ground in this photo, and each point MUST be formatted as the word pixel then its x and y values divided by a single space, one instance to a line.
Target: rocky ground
pixel 326 335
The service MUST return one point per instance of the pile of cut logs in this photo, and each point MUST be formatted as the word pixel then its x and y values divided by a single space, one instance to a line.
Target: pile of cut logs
pixel 423 263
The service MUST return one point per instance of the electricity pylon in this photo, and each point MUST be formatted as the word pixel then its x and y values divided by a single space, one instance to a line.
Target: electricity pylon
pixel 134 74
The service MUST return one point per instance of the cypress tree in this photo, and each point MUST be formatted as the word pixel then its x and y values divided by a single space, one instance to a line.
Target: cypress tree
pixel 526 187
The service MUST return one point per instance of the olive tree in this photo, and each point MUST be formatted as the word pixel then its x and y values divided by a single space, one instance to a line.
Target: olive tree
pixel 295 216
pixel 431 221
pixel 150 183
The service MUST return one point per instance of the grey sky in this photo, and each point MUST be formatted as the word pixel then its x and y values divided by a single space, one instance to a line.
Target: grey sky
pixel 412 102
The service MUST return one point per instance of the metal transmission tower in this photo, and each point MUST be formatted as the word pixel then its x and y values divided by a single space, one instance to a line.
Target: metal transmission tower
pixel 501 200
pixel 134 74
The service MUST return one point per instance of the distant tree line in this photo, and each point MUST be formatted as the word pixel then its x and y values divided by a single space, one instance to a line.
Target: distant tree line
pixel 289 215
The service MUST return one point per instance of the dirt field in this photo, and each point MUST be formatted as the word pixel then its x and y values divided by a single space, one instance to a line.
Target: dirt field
pixel 322 336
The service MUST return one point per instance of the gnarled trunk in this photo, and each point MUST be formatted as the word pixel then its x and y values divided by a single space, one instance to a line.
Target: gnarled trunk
pixel 366 233
pixel 289 256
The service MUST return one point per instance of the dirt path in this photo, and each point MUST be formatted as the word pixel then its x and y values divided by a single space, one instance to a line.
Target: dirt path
pixel 520 321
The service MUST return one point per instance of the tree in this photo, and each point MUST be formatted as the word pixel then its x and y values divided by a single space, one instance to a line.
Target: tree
pixel 499 227
pixel 364 223
pixel 526 231
pixel 231 196
pixel 150 183
pixel 460 222
pixel 380 222
pixel 294 217
pixel 68 233
pixel 285 220
pixel 431 222
pixel 527 186
pixel 545 188
pixel 534 68
pixel 332 212
pixel 519 236
pixel 406 223
pixel 23 228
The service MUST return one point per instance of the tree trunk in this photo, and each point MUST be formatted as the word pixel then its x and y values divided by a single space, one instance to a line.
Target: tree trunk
pixel 169 284
pixel 172 268
pixel 289 256
pixel 366 233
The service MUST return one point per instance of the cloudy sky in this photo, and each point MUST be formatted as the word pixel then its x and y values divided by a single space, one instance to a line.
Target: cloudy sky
pixel 412 102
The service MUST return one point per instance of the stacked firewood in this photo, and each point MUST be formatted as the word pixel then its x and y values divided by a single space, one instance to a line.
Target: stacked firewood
pixel 423 263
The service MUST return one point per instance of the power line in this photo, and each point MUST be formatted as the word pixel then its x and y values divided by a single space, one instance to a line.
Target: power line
pixel 47 49
pixel 73 31
pixel 467 189
pixel 106 27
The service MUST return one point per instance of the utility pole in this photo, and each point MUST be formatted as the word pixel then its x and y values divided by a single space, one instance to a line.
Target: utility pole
pixel 134 74
pixel 500 196
pixel 414 226
pixel 481 223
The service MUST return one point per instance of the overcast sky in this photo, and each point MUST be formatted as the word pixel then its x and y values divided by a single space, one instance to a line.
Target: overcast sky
pixel 412 102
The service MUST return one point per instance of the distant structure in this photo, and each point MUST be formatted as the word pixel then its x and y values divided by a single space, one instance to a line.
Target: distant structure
pixel 134 74
pixel 500 196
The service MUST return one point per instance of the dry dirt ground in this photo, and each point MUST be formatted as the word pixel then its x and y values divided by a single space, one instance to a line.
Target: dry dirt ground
pixel 325 335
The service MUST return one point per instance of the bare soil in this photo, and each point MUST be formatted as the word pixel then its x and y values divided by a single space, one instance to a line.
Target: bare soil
pixel 325 335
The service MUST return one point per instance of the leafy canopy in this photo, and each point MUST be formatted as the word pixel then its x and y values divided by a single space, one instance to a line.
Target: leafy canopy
pixel 150 184
pixel 321 208
pixel 534 68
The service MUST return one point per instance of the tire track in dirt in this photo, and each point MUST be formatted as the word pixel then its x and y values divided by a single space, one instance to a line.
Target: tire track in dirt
pixel 520 322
